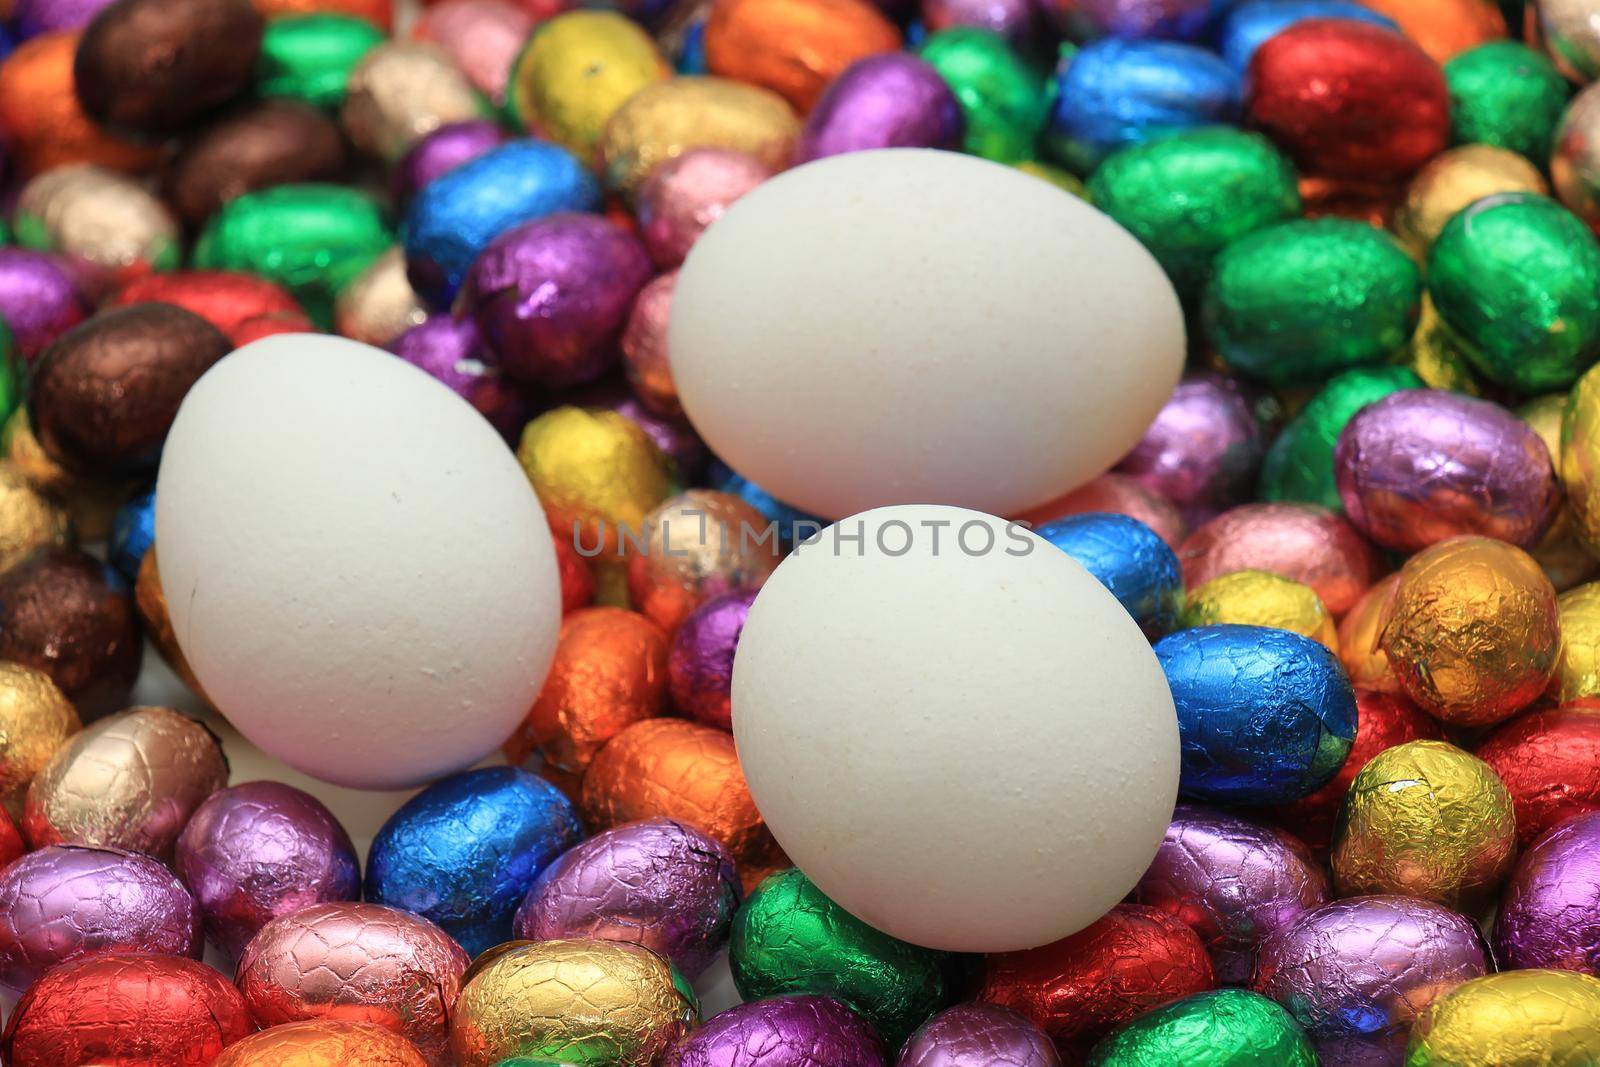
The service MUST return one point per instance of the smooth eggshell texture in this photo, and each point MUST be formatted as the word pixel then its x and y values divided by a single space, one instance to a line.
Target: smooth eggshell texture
pixel 356 567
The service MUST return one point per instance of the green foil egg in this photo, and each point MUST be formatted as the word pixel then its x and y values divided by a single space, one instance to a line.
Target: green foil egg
pixel 11 390
pixel 1300 301
pixel 1005 99
pixel 1506 94
pixel 1299 465
pixel 310 57
pixel 788 937
pixel 1517 278
pixel 1222 1028
pixel 313 239
pixel 1188 196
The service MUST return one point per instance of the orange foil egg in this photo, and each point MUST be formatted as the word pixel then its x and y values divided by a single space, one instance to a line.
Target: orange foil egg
pixel 609 672
pixel 322 1043
pixel 42 119
pixel 1309 544
pixel 794 47
pixel 151 601
pixel 1364 660
pixel 1444 28
pixel 239 305
pixel 578 584
pixel 698 545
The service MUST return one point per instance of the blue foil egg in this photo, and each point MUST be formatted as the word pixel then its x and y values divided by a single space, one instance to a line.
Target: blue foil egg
pixel 456 215
pixel 465 850
pixel 1114 93
pixel 133 529
pixel 1265 716
pixel 1128 558
pixel 1248 26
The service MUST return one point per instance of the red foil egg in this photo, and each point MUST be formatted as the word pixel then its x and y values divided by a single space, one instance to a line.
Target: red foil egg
pixel 11 846
pixel 234 303
pixel 1306 543
pixel 1550 761
pixel 578 583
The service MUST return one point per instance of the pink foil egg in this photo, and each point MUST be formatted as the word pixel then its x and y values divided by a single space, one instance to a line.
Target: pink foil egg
pixel 681 197
pixel 978 1035
pixel 894 100
pixel 700 662
pixel 482 37
pixel 644 348
pixel 1303 542
pixel 1120 494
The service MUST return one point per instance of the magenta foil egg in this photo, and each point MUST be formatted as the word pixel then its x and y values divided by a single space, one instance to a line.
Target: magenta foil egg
pixel 453 351
pixel 655 882
pixel 40 298
pixel 482 38
pixel 1204 448
pixel 34 17
pixel 1234 881
pixel 1355 973
pixel 700 662
pixel 1423 465
pixel 441 151
pixel 978 1035
pixel 551 296
pixel 1011 19
pixel 259 850
pixel 1550 913
pixel 644 347
pixel 894 100
pixel 801 1031
pixel 66 902
pixel 681 197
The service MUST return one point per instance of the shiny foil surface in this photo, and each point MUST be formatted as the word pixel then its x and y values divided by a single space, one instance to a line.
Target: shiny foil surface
pixel 100 216
pixel 597 474
pixel 357 962
pixel 126 1009
pixel 1515 1019
pixel 1162 19
pixel 700 661
pixel 686 455
pixel 46 125
pixel 400 92
pixel 29 520
pixel 1559 552
pixel 465 850
pixel 576 70
pixel 1129 559
pixel 129 781
pixel 1425 819
pixel 1578 670
pixel 1574 160
pixel 578 583
pixel 1357 972
pixel 1473 632
pixel 446 148
pixel 1363 658
pixel 792 1031
pixel 35 721
pixel 1116 493
pixel 1264 715
pixel 452 351
pixel 1437 354
pixel 40 297
pixel 572 1001
pixel 1454 179
pixel 379 304
pixel 1549 760
pixel 1011 19
pixel 92 503
pixel 1082 987
pixel 1550 912
pixel 1221 1028
pixel 65 903
pixel 1247 26
pixel 790 938
pixel 151 601
pixel 684 195
pixel 308 55
pixel 1261 598
pixel 238 304
pixel 654 882
pixel 1203 448
pixel 1309 544
pixel 12 847
pixel 1505 93
pixel 796 48
pixel 699 544
pixel 259 850
pixel 978 1035
pixel 322 1043
pixel 30 18
pixel 1580 459
pixel 1005 98
pixel 1233 881
pixel 482 38
pixel 644 347
pixel 894 100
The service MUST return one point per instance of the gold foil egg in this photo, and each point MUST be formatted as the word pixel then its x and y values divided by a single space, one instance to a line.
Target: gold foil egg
pixel 100 216
pixel 698 545
pixel 1363 658
pixel 322 1043
pixel 35 721
pixel 151 601
pixel 1473 634
pixel 1260 598
pixel 1425 819
pixel 1454 179
pixel 572 1001
pixel 597 475
pixel 92 503
pixel 379 305
pixel 402 91
pixel 666 119
pixel 576 71
pixel 1562 555
pixel 1580 458
pixel 1437 355
pixel 794 47
pixel 28 518
pixel 1578 673
pixel 1532 1018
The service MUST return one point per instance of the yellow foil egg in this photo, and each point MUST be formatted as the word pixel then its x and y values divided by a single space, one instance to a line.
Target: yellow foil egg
pixel 572 1002
pixel 1473 633
pixel 1425 819
pixel 695 546
pixel 1437 356
pixel 1064 180
pixel 402 91
pixel 35 720
pixel 576 71
pixel 98 215
pixel 28 518
pixel 1364 659
pixel 1578 674
pixel 379 305
pixel 666 119
pixel 1260 598
pixel 91 503
pixel 597 475
pixel 1533 1018
pixel 1580 458
pixel 1564 559
pixel 1454 179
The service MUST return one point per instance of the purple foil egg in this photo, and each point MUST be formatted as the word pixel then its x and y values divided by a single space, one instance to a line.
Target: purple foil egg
pixel 700 663
pixel 1550 913
pixel 1203 450
pixel 551 296
pixel 978 1035
pixel 453 351
pixel 799 1031
pixel 1011 19
pixel 66 902
pixel 1234 881
pixel 1179 20
pixel 1422 465
pixel 260 850
pixel 655 882
pixel 894 100
pixel 445 149
pixel 1357 972
pixel 683 196
pixel 34 17
pixel 40 298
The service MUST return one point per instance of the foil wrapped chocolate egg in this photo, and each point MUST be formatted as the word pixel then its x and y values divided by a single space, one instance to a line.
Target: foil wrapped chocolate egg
pixel 657 883
pixel 576 70
pixel 1567 34
pixel 1082 987
pixel 308 56
pixel 153 67
pixel 446 148
pixel 322 1043
pixel 1089 19
pixel 791 938
pixel 1260 598
pixel 1005 99
pixel 596 472
pixel 35 721
pixel 1356 973
pixel 1203 449
pixel 1264 715
pixel 12 847
pixel 452 351
pixel 255 851
pixel 794 47
pixel 1473 632
pixel 572 1001
pixel 793 1031
pixel 1580 459
pixel 62 613
pixel 129 781
pixel 356 962
pixel 99 216
pixel 1505 93
pixel 1455 179
pixel 32 18
pixel 29 520
pixel 1359 631
pixel 104 395
pixel 1444 28
pixel 45 123
pixel 978 1035
pixel 1574 161
pixel 1014 21
pixel 377 13
pixel 1129 559
pixel 1550 912
pixel 1578 670
pixel 1514 1018
pixel 481 37
pixel 465 850
pixel 1220 1028
pixel 401 91
pixel 1118 494
pixel 696 545
pixel 1549 760
pixel 1308 544
pixel 1562 555
pixel 126 1008
pixel 241 305
pixel 1247 26
pixel 1425 819
pixel 684 195
pixel 151 600
pixel 700 661
pixel 379 304
pixel 41 298
pixel 578 582
pixel 644 347
pixel 1233 881
pixel 91 503
pixel 65 903
pixel 894 100
pixel 609 672
pixel 133 531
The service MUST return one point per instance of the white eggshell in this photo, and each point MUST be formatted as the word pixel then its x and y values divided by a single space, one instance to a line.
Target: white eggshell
pixel 913 326
pixel 972 748
pixel 355 565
